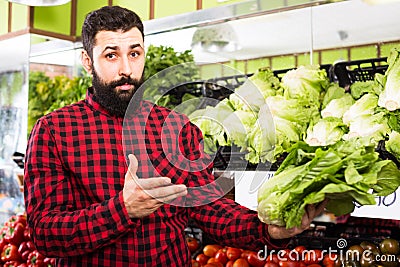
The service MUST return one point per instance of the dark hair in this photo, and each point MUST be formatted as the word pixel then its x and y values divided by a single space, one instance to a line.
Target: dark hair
pixel 108 18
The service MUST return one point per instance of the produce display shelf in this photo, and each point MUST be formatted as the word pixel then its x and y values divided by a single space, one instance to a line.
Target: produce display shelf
pixel 221 87
pixel 329 235
pixel 348 72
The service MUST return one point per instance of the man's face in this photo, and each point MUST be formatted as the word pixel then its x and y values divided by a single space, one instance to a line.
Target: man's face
pixel 117 68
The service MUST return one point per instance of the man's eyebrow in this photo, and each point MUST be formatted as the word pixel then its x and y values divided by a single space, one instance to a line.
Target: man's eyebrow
pixel 111 47
pixel 115 47
pixel 135 45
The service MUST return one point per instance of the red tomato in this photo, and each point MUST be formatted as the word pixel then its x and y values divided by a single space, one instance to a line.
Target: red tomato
pixel 271 264
pixel 213 264
pixel 211 250
pixel 272 258
pixel 193 243
pixel 312 256
pixel 221 256
pixel 229 264
pixel 314 265
pixel 240 263
pixel 299 251
pixel 289 263
pixel 215 261
pixel 245 253
pixel 329 259
pixel 202 259
pixel 195 263
pixel 233 253
pixel 283 254
pixel 254 260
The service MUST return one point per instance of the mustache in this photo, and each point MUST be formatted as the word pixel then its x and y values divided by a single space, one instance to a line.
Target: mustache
pixel 122 81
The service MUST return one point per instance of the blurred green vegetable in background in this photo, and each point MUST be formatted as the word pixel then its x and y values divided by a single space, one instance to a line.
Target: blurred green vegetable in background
pixel 158 81
pixel 47 94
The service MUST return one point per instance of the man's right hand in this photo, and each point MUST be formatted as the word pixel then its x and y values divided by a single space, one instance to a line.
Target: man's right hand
pixel 144 196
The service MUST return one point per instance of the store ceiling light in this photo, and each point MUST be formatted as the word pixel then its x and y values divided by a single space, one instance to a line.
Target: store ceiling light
pixel 215 38
pixel 40 2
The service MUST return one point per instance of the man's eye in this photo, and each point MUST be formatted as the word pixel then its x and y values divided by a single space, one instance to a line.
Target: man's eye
pixel 134 54
pixel 110 56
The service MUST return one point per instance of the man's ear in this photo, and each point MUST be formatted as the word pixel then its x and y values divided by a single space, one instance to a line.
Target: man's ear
pixel 86 61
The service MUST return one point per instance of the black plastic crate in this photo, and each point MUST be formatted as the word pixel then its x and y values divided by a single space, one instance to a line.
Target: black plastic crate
pixel 349 72
pixel 224 84
pixel 232 157
pixel 215 88
pixel 221 87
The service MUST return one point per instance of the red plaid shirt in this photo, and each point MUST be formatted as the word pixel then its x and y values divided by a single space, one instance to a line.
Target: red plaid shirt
pixel 74 174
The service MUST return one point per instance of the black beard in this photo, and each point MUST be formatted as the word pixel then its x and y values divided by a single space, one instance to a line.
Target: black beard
pixel 116 103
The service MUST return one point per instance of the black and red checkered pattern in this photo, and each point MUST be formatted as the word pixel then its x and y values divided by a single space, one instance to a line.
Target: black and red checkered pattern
pixel 75 166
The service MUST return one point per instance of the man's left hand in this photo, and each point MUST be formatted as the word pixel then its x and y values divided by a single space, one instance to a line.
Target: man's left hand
pixel 281 232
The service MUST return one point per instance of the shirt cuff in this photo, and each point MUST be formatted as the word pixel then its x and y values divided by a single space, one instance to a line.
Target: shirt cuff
pixel 274 243
pixel 120 214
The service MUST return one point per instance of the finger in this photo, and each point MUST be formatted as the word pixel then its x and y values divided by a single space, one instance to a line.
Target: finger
pixel 308 216
pixel 133 166
pixel 154 182
pixel 168 192
pixel 321 207
pixel 170 199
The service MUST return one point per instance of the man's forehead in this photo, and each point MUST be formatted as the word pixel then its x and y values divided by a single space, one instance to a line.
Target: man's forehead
pixel 116 38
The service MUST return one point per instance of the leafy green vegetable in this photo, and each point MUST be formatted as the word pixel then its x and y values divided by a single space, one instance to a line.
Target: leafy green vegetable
pixel 247 98
pixel 375 127
pixel 387 178
pixel 238 125
pixel 188 105
pixel 390 96
pixel 265 80
pixel 160 58
pixel 394 120
pixel 251 95
pixel 47 94
pixel 294 110
pixel 338 106
pixel 334 91
pixel 345 173
pixel 210 121
pixel 325 132
pixel 305 82
pixel 288 108
pixel 366 105
pixel 287 133
pixel 392 145
pixel 260 141
pixel 358 89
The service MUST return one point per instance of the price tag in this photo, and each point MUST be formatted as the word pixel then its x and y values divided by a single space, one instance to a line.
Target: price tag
pixel 247 184
pixel 386 208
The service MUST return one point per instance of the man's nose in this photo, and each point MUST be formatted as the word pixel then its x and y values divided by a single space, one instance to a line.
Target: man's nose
pixel 125 67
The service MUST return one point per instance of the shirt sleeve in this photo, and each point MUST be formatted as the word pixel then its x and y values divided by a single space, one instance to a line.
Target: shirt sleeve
pixel 231 224
pixel 57 227
pixel 222 219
